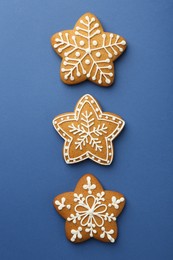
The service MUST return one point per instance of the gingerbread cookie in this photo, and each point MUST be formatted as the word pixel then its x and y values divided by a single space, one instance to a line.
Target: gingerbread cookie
pixel 88 52
pixel 90 211
pixel 88 132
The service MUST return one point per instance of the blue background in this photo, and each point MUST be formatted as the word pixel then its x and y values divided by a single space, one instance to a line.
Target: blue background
pixel 32 170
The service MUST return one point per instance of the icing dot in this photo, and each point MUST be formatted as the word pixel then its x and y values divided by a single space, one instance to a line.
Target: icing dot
pixel 100 115
pixel 99 81
pixel 65 77
pixel 86 97
pixel 110 154
pixel 97 109
pixel 68 117
pixel 111 35
pixel 95 43
pixel 106 117
pixel 109 67
pixel 111 74
pixel 62 69
pixel 71 78
pixel 110 55
pixel 63 134
pixel 87 18
pixel 87 62
pixel 77 54
pixel 88 50
pixel 78 74
pixel 59 50
pixel 62 118
pixel 108 81
pixel 96 25
pixel 81 43
pixel 88 75
pixel 123 42
pixel 92 101
pixel 93 78
pixel 99 160
pixel 114 118
pixel 104 35
pixel 109 147
pixel 98 54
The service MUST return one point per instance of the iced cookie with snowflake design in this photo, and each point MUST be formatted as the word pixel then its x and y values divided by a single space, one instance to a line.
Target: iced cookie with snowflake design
pixel 88 132
pixel 88 52
pixel 90 211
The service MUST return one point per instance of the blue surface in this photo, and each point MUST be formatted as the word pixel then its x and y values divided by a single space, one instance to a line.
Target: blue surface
pixel 32 170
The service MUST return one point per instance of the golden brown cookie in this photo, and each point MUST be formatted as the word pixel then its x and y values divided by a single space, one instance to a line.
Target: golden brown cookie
pixel 88 52
pixel 88 132
pixel 90 211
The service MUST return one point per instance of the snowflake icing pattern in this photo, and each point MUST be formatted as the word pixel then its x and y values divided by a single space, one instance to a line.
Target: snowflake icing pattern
pixel 88 132
pixel 88 52
pixel 93 212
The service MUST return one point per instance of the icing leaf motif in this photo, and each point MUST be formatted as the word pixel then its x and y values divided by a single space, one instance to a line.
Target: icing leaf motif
pixel 115 202
pixel 61 204
pixel 88 52
pixel 108 234
pixel 76 234
pixel 89 186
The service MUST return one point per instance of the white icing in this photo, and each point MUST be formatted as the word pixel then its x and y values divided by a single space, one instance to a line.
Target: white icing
pixel 115 202
pixel 89 186
pixel 76 234
pixel 87 61
pixel 111 45
pixel 85 132
pixel 95 43
pixel 81 43
pixel 77 54
pixel 91 215
pixel 91 212
pixel 61 204
pixel 108 234
pixel 98 54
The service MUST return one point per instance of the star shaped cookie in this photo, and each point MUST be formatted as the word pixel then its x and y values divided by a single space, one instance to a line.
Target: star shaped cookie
pixel 88 132
pixel 88 52
pixel 90 211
